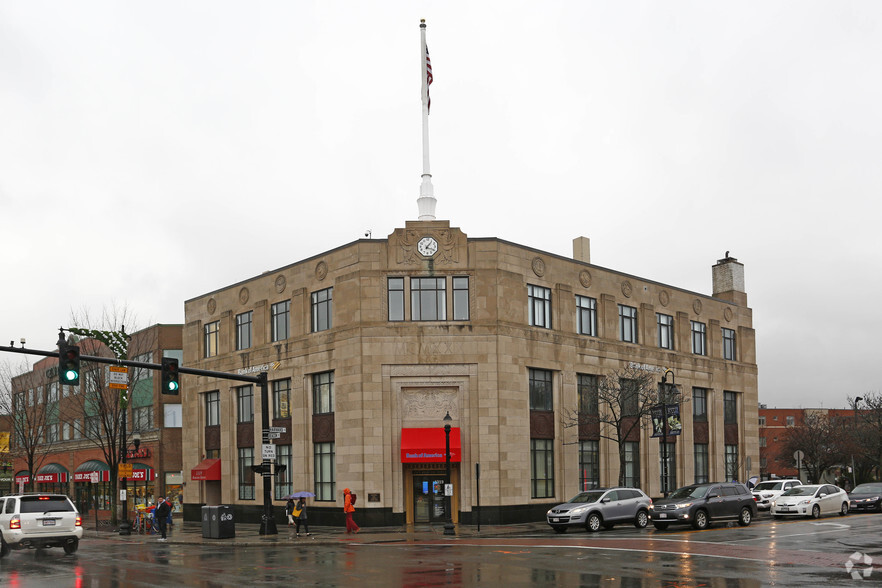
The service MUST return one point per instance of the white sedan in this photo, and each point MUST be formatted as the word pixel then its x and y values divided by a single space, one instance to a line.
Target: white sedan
pixel 811 501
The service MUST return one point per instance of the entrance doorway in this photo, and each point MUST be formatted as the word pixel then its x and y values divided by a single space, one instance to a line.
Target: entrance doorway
pixel 429 502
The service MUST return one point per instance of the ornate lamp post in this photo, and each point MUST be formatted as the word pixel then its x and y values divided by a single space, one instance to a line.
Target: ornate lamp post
pixel 449 529
pixel 125 528
pixel 664 411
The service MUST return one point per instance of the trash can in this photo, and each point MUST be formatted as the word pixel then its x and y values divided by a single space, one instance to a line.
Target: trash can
pixel 217 522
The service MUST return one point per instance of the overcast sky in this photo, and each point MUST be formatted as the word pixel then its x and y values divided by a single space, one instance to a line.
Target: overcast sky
pixel 178 147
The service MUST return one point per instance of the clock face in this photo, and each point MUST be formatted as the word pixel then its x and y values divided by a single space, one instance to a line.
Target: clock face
pixel 427 246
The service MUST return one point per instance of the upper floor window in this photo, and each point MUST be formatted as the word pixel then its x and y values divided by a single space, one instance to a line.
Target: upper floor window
pixel 243 330
pixel 210 332
pixel 539 300
pixel 588 399
pixel 323 393
pixel 665 330
pixel 791 421
pixel 322 310
pixel 586 316
pixel 212 408
pixel 280 315
pixel 540 390
pixel 699 338
pixel 396 298
pixel 281 399
pixel 245 398
pixel 460 298
pixel 627 324
pixel 762 421
pixel 730 407
pixel 428 299
pixel 728 344
pixel 699 405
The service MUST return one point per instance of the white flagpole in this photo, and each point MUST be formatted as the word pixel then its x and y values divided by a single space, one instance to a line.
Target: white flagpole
pixel 426 201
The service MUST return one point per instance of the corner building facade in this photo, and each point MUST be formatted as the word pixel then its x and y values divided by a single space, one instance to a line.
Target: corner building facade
pixel 368 346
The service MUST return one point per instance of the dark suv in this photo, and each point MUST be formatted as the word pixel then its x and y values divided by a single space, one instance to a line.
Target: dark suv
pixel 702 504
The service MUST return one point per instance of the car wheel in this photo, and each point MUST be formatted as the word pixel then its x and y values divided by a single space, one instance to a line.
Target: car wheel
pixel 559 529
pixel 660 526
pixel 72 546
pixel 641 520
pixel 745 517
pixel 816 512
pixel 844 510
pixel 593 523
pixel 700 520
pixel 4 548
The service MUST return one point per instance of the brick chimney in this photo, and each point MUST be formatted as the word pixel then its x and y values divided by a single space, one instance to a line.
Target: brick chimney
pixel 728 277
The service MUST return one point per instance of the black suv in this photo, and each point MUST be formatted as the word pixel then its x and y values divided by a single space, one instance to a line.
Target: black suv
pixel 702 504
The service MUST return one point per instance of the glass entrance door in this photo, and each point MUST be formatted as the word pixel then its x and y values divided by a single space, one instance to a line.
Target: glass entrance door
pixel 429 504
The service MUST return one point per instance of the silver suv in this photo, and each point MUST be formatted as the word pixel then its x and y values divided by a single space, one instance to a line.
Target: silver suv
pixel 601 507
pixel 37 521
pixel 766 492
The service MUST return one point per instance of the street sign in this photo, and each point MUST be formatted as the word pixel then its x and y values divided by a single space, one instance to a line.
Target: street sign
pixel 273 435
pixel 118 377
pixel 125 470
pixel 268 451
pixel 94 477
pixel 277 430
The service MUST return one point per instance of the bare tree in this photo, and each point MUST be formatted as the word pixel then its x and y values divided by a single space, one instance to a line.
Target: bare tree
pixel 31 400
pixel 617 406
pixel 867 436
pixel 821 441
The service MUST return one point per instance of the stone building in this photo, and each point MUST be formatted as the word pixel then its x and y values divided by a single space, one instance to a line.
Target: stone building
pixel 369 345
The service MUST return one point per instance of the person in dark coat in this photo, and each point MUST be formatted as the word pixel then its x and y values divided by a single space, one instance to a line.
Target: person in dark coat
pixel 160 516
pixel 289 510
pixel 300 517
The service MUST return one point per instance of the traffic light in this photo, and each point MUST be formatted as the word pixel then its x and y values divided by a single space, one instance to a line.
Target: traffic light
pixel 170 377
pixel 69 365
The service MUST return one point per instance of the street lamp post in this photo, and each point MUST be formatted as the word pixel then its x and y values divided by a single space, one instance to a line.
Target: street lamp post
pixel 853 469
pixel 124 527
pixel 449 529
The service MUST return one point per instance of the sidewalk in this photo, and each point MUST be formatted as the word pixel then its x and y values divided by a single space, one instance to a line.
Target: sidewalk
pixel 190 533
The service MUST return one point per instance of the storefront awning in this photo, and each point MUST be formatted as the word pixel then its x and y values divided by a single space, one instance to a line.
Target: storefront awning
pixel 209 469
pixel 52 473
pixel 428 445
pixel 92 471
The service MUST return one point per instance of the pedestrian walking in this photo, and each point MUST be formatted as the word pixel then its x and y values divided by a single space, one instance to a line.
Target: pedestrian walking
pixel 289 510
pixel 349 509
pixel 160 516
pixel 300 517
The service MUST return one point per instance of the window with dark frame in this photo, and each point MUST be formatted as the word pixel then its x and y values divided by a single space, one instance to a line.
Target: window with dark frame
pixel 322 310
pixel 665 330
pixel 728 344
pixel 245 404
pixel 325 470
pixel 542 468
pixel 699 405
pixel 730 408
pixel 283 485
pixel 323 393
pixel 428 299
pixel 589 403
pixel 671 449
pixel 589 465
pixel 280 317
pixel 460 298
pixel 395 288
pixel 541 390
pixel 212 408
pixel 731 463
pixel 243 330
pixel 586 316
pixel 246 474
pixel 211 331
pixel 699 338
pixel 632 464
pixel 627 324
pixel 539 301
pixel 282 398
pixel 701 463
pixel 629 397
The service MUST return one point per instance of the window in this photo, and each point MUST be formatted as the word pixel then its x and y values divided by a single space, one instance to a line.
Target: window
pixel 699 338
pixel 589 404
pixel 142 418
pixel 731 463
pixel 762 441
pixel 728 344
pixel 325 472
pixel 762 421
pixel 699 405
pixel 665 330
pixel 627 324
pixel 589 465
pixel 243 331
pixel 763 463
pixel 701 461
pixel 542 468
pixel 246 474
pixel 461 298
pixel 281 399
pixel 210 333
pixel 790 421
pixel 539 301
pixel 629 396
pixel 245 402
pixel 283 485
pixel 52 432
pixel 730 408
pixel 428 299
pixel 323 393
pixel 540 390
pixel 93 427
pixel 212 408
pixel 281 325
pixel 671 449
pixel 65 431
pixel 632 464
pixel 52 392
pixel 396 298
pixel 322 310
pixel 586 316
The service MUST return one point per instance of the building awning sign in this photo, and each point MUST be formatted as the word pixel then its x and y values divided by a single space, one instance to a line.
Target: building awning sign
pixel 209 469
pixel 428 445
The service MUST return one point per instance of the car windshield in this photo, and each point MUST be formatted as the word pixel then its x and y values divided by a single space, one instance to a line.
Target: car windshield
pixel 45 504
pixel 801 491
pixel 867 489
pixel 587 497
pixel 768 486
pixel 689 492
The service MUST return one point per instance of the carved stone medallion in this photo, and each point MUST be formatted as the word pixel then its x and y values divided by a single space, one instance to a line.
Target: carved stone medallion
pixel 585 279
pixel 696 306
pixel 538 266
pixel 243 295
pixel 321 270
pixel 664 298
pixel 627 288
pixel 280 283
pixel 211 306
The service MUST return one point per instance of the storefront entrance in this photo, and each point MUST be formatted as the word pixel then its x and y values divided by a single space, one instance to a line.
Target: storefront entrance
pixel 429 502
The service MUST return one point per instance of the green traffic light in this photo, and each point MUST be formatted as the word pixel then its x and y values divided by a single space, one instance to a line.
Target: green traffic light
pixel 70 375
pixel 172 386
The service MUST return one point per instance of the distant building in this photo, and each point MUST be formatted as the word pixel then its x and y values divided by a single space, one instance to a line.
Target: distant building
pixel 370 344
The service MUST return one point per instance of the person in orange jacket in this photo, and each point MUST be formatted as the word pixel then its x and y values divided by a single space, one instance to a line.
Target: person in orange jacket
pixel 348 509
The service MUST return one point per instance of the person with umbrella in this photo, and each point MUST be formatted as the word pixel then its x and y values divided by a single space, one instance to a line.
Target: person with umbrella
pixel 298 511
pixel 289 510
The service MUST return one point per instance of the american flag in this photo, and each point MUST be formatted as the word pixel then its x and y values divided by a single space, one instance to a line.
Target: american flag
pixel 429 79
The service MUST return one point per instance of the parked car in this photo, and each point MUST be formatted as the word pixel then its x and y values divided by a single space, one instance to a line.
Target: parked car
pixel 811 500
pixel 601 507
pixel 866 497
pixel 37 521
pixel 765 492
pixel 703 504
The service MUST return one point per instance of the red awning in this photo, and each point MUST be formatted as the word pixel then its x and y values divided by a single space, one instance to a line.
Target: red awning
pixel 209 469
pixel 428 445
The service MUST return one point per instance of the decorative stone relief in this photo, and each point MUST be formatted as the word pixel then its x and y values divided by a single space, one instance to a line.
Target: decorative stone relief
pixel 664 298
pixel 321 270
pixel 538 266
pixel 211 306
pixel 728 314
pixel 243 296
pixel 696 306
pixel 585 279
pixel 447 250
pixel 423 403
pixel 627 289
pixel 281 282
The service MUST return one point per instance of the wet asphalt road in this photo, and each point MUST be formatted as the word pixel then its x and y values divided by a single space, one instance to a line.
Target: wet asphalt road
pixel 767 553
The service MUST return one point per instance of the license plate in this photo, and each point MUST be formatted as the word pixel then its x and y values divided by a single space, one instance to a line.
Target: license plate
pixel 783 508
pixel 662 515
pixel 48 522
pixel 555 520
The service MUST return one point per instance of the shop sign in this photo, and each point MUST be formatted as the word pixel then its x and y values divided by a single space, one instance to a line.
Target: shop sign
pixel 265 367
pixel 51 478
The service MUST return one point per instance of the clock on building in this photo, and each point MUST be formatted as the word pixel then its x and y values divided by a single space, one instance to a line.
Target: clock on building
pixel 427 246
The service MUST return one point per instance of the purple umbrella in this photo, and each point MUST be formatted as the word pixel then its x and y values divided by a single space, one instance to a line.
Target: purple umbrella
pixel 299 495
